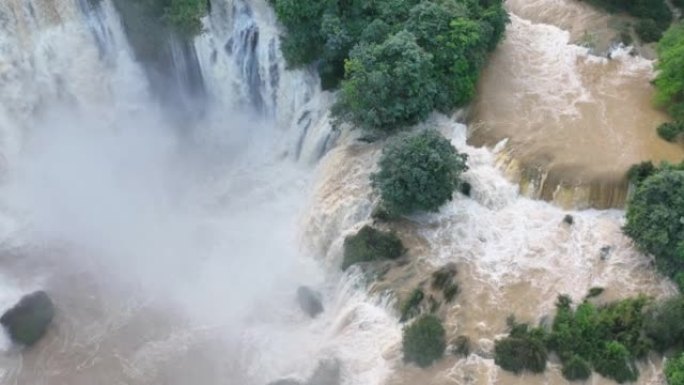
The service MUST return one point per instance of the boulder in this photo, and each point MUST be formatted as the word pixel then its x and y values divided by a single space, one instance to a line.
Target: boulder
pixel 569 220
pixel 310 301
pixel 605 252
pixel 29 319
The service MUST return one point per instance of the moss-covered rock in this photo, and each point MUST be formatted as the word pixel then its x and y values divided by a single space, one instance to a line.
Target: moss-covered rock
pixel 371 244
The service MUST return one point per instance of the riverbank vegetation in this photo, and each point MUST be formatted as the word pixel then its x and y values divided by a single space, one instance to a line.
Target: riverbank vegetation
pixel 608 338
pixel 395 61
pixel 670 79
pixel 654 219
pixel 653 16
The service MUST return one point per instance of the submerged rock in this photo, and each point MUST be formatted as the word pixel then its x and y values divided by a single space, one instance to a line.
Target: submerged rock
pixel 569 220
pixel 310 301
pixel 605 252
pixel 327 373
pixel 29 319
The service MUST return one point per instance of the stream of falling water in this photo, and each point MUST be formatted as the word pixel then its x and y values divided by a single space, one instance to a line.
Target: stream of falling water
pixel 173 252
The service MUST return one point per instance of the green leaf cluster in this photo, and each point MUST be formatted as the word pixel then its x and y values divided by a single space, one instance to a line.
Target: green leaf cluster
pixel 418 172
pixel 674 370
pixel 655 16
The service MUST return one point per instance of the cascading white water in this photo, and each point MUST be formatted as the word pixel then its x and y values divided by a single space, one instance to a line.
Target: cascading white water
pixel 173 253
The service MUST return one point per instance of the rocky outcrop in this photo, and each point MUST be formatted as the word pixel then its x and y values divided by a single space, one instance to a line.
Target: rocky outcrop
pixel 310 301
pixel 29 319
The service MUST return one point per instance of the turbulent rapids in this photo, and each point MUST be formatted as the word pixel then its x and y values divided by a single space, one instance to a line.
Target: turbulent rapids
pixel 172 221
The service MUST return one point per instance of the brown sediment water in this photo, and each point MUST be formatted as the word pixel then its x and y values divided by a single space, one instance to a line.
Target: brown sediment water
pixel 574 122
pixel 513 256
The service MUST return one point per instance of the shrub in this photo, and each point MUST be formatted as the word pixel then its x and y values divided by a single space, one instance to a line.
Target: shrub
pixel 654 219
pixel 609 337
pixel 663 324
pixel 615 362
pixel 370 244
pixel 576 369
pixel 639 172
pixel 424 341
pixel 388 85
pixel 674 370
pixel 517 354
pixel 418 172
pixel 411 307
pixel 450 292
pixel 670 79
pixel 670 131
pixel 648 30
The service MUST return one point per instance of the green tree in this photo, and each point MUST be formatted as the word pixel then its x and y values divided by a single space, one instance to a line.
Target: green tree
pixel 418 172
pixel 424 341
pixel 670 79
pixel 655 219
pixel 387 86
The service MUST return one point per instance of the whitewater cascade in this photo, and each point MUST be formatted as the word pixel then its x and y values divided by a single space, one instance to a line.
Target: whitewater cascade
pixel 173 249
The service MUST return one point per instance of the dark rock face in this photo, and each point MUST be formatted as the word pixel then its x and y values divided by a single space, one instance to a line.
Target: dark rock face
pixel 309 300
pixel 28 320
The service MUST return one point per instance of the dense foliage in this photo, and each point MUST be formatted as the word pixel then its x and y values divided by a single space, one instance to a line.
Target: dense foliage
pixel 674 370
pixel 370 244
pixel 388 85
pixel 640 171
pixel 523 349
pixel 424 341
pixel 654 219
pixel 655 16
pixel 181 16
pixel 607 338
pixel 670 79
pixel 664 326
pixel 382 47
pixel 418 172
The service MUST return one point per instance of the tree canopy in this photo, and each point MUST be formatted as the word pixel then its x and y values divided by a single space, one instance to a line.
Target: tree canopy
pixel 670 79
pixel 418 172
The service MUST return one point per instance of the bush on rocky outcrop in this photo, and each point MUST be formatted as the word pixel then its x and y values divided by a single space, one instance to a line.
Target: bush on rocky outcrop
pixel 424 341
pixel 670 131
pixel 418 172
pixel 370 244
pixel 411 306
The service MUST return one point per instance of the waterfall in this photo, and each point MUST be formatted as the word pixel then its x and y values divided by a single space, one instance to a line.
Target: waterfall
pixel 242 65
